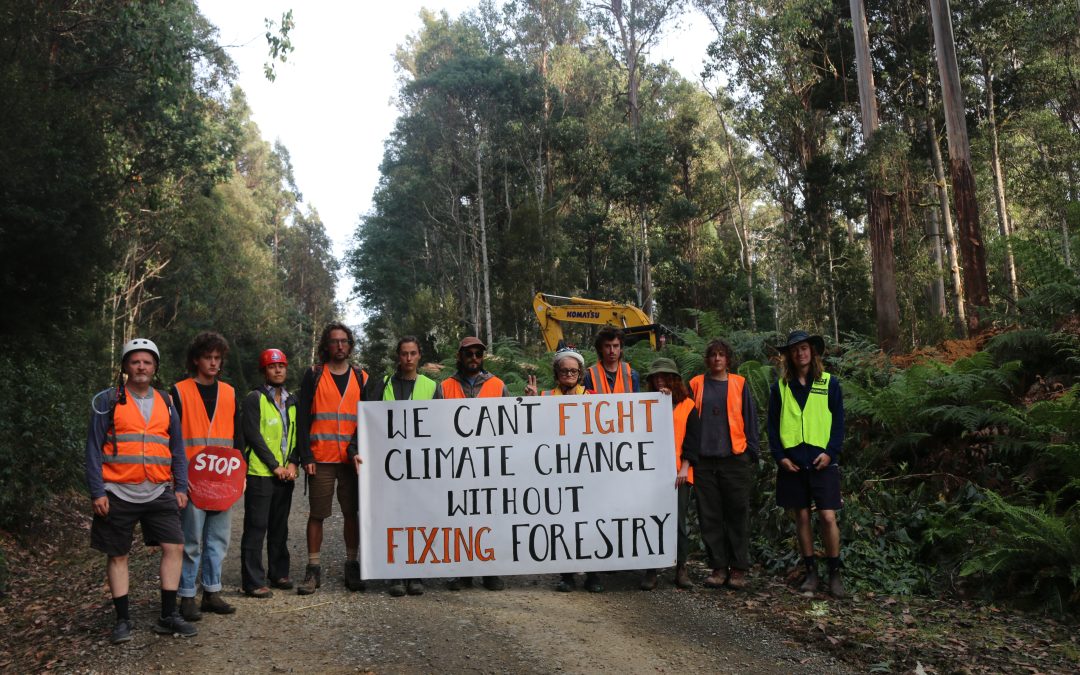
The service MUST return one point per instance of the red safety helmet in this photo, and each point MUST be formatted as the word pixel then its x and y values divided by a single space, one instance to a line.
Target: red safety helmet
pixel 272 356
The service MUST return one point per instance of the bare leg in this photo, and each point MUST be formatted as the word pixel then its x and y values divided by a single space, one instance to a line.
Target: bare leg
pixel 830 533
pixel 172 558
pixel 314 535
pixel 352 531
pixel 805 531
pixel 117 572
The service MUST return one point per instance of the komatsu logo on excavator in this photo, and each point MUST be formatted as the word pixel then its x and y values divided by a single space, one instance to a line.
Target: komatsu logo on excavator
pixel 572 314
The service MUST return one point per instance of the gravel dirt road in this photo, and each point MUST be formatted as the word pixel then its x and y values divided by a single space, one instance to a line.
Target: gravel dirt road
pixel 527 628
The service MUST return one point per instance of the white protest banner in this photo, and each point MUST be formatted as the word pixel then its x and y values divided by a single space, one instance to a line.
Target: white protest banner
pixel 499 486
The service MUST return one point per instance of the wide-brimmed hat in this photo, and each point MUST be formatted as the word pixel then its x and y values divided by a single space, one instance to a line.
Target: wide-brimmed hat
pixel 797 336
pixel 663 365
pixel 471 342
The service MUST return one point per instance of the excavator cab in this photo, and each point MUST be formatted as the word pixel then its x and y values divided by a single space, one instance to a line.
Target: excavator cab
pixel 554 310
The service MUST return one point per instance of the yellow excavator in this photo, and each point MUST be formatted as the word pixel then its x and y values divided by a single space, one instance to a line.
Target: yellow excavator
pixel 554 310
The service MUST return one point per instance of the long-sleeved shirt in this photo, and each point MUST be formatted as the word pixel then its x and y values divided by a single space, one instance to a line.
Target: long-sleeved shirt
pixel 803 455
pixel 96 436
pixel 209 393
pixel 252 421
pixel 715 429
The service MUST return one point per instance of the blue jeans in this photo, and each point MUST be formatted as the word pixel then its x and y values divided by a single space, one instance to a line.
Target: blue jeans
pixel 206 539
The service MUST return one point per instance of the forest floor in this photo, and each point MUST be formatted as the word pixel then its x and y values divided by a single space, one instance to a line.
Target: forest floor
pixel 56 615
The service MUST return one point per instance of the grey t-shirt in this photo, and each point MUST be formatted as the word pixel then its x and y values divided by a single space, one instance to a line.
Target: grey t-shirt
pixel 715 431
pixel 146 491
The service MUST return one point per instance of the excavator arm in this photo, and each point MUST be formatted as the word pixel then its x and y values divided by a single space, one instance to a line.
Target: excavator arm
pixel 551 316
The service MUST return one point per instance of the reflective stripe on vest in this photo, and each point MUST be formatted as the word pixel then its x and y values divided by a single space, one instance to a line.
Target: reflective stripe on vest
pixel 423 390
pixel 736 423
pixel 333 418
pixel 270 430
pixel 141 449
pixel 199 430
pixel 811 424
pixel 624 383
pixel 491 388
pixel 680 413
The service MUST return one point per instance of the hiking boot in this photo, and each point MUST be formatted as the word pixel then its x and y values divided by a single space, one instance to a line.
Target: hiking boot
pixel 836 585
pixel 312 580
pixel 738 579
pixel 458 583
pixel 566 583
pixel 189 610
pixel 284 583
pixel 717 579
pixel 121 632
pixel 682 577
pixel 397 589
pixel 810 583
pixel 174 624
pixel 414 587
pixel 353 582
pixel 213 602
pixel 260 592
pixel 648 582
pixel 494 583
pixel 592 582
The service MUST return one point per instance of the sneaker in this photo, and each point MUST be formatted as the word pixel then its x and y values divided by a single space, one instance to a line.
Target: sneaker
pixel 648 582
pixel 592 582
pixel 353 582
pixel 260 592
pixel 284 583
pixel 566 583
pixel 312 580
pixel 836 585
pixel 189 610
pixel 397 589
pixel 717 579
pixel 494 583
pixel 682 577
pixel 213 602
pixel 174 624
pixel 414 587
pixel 121 632
pixel 738 579
pixel 810 583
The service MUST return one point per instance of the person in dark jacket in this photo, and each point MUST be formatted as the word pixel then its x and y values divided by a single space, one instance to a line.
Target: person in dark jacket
pixel 269 422
pixel 806 434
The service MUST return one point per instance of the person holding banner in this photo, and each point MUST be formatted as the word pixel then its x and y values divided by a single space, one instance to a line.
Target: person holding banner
pixel 209 416
pixel 406 383
pixel 806 435
pixel 269 417
pixel 724 466
pixel 569 369
pixel 326 439
pixel 610 374
pixel 472 381
pixel 665 378
pixel 136 471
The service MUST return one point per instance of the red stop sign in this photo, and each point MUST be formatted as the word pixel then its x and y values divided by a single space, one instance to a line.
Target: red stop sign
pixel 216 478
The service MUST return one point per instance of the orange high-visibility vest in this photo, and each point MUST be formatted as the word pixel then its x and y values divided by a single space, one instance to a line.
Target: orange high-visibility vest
pixel 736 424
pixel 578 391
pixel 199 430
pixel 681 412
pixel 491 388
pixel 624 383
pixel 138 449
pixel 333 417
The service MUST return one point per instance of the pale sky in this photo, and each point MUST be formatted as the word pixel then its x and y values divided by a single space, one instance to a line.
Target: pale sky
pixel 332 103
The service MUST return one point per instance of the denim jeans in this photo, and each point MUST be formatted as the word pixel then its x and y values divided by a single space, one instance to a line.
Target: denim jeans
pixel 206 540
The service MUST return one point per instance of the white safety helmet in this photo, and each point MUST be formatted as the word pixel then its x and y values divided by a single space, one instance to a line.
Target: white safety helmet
pixel 140 345
pixel 571 353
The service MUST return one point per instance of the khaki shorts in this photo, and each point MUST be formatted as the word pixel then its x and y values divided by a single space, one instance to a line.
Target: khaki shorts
pixel 321 489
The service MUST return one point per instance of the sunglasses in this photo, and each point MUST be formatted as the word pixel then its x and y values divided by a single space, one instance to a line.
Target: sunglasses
pixel 473 353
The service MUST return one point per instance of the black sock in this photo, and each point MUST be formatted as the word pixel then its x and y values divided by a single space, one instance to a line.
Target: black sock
pixel 833 563
pixel 168 603
pixel 121 606
pixel 810 563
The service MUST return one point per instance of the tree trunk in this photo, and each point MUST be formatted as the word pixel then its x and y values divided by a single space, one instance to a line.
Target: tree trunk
pixel 936 290
pixel 972 251
pixel 959 318
pixel 1004 226
pixel 485 267
pixel 741 230
pixel 886 309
